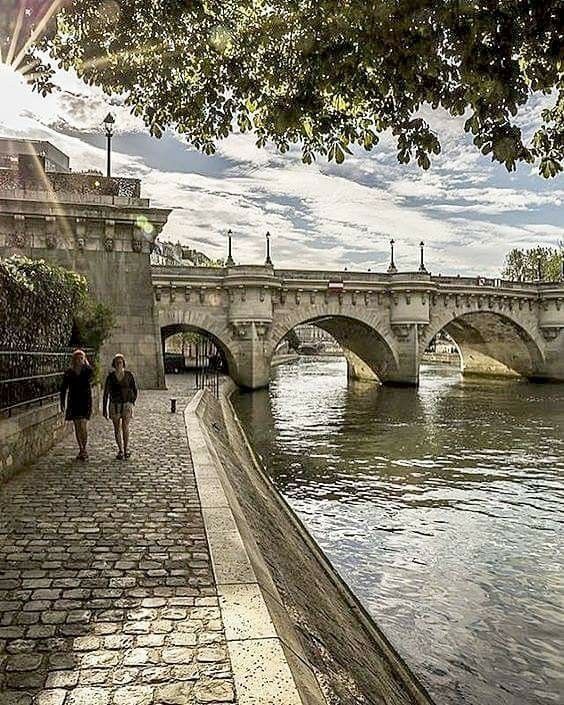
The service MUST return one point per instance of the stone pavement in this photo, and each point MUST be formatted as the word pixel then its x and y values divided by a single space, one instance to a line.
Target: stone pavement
pixel 106 587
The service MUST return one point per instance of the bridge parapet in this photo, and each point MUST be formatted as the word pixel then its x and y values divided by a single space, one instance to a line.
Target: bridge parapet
pixel 294 277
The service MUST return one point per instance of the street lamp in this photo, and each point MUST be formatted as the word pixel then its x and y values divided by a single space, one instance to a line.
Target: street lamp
pixel 229 261
pixel 268 261
pixel 109 121
pixel 392 269
pixel 422 267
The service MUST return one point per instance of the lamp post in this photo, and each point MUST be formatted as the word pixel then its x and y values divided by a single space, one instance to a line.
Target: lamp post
pixel 109 121
pixel 229 261
pixel 392 269
pixel 422 267
pixel 539 269
pixel 268 261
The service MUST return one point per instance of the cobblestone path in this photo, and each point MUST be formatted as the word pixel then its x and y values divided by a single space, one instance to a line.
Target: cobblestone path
pixel 106 589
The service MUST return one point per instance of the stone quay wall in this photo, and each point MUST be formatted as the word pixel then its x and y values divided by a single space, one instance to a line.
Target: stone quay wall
pixel 271 572
pixel 284 359
pixel 28 434
pixel 441 358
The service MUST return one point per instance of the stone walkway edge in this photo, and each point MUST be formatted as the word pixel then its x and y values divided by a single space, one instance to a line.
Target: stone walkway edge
pixel 257 645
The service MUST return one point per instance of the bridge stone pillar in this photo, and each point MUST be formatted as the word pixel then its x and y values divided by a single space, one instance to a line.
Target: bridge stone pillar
pixel 551 324
pixel 252 364
pixel 407 350
pixel 249 291
pixel 409 313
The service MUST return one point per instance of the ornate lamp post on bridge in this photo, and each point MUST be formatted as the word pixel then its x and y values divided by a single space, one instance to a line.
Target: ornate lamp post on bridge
pixel 392 269
pixel 109 121
pixel 422 267
pixel 229 261
pixel 268 261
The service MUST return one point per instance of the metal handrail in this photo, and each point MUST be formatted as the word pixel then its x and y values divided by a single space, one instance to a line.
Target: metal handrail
pixel 29 377
pixel 64 353
pixel 208 356
pixel 36 400
pixel 25 379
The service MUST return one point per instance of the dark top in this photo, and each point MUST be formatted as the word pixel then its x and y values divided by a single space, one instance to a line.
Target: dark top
pixel 76 393
pixel 119 391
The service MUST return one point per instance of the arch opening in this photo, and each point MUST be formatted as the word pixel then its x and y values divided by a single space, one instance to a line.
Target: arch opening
pixel 186 347
pixel 442 349
pixel 491 344
pixel 368 354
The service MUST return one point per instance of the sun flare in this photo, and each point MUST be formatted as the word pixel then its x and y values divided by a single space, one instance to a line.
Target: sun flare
pixel 16 94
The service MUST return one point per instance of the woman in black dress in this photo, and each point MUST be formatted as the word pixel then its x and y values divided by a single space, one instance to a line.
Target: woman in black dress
pixel 76 398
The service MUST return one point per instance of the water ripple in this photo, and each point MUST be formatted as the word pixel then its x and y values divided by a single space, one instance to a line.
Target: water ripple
pixel 442 508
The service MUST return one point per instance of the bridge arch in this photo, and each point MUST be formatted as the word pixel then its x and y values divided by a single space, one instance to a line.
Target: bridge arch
pixel 491 343
pixel 367 341
pixel 177 321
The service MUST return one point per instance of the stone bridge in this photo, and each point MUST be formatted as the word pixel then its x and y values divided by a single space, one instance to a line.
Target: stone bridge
pixel 383 321
pixel 104 230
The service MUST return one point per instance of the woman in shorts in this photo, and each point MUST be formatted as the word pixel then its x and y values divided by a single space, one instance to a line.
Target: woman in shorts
pixel 76 398
pixel 120 394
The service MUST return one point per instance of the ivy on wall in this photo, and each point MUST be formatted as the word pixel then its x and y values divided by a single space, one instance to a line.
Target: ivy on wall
pixel 47 307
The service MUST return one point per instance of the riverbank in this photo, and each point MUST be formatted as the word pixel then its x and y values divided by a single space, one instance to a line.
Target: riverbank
pixel 179 577
pixel 439 505
pixel 284 359
pixel 441 358
pixel 279 595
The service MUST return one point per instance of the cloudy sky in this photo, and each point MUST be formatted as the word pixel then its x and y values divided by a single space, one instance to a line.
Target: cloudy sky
pixel 468 211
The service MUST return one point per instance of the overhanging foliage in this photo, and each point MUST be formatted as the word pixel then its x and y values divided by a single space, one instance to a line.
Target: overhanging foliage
pixel 327 74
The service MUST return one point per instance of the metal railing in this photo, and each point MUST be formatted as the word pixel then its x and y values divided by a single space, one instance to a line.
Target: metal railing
pixel 75 182
pixel 32 377
pixel 209 364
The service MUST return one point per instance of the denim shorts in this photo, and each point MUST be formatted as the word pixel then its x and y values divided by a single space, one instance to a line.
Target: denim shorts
pixel 121 410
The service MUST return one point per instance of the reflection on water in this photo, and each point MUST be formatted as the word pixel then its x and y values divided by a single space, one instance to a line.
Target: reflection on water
pixel 441 507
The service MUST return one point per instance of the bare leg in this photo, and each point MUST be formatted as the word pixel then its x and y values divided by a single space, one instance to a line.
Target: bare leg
pixel 76 423
pixel 117 433
pixel 84 434
pixel 125 431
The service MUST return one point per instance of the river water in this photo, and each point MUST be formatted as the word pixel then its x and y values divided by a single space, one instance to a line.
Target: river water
pixel 442 508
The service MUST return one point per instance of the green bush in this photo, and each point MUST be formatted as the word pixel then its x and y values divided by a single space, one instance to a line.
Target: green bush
pixel 38 303
pixel 93 323
pixel 47 307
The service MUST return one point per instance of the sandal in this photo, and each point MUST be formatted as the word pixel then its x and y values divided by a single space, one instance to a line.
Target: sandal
pixel 119 456
pixel 127 455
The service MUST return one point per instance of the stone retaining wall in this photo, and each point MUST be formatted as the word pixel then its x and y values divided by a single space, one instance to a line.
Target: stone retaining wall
pixel 284 359
pixel 441 358
pixel 335 652
pixel 30 433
